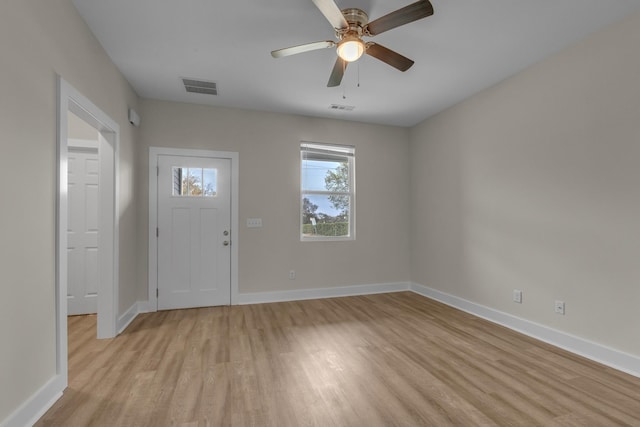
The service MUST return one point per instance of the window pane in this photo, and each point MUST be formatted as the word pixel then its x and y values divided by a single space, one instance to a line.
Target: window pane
pixel 324 175
pixel 325 215
pixel 197 182
pixel 210 182
pixel 194 182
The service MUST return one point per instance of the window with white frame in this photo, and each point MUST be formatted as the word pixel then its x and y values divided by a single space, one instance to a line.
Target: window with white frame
pixel 199 182
pixel 327 200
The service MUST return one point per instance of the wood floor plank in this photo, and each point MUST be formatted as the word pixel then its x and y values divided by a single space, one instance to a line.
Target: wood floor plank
pixel 394 359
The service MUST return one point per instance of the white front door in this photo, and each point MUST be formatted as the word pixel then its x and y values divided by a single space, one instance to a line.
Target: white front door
pixel 194 231
pixel 82 235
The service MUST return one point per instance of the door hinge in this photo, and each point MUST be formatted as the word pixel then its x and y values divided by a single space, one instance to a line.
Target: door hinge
pixel 157 231
pixel 157 292
pixel 157 170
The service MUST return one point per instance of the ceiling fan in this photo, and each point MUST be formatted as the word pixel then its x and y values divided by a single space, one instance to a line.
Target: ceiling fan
pixel 350 26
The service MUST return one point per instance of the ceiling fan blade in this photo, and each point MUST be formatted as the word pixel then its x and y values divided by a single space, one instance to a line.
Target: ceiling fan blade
pixel 302 48
pixel 413 12
pixel 337 73
pixel 332 12
pixel 388 56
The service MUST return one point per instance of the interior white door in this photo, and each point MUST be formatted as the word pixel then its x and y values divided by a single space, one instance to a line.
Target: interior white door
pixel 194 234
pixel 83 232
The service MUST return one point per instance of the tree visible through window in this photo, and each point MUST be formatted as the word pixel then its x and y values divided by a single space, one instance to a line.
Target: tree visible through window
pixel 194 182
pixel 328 194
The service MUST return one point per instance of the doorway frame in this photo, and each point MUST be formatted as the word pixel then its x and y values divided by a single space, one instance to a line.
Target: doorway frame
pixel 70 99
pixel 154 152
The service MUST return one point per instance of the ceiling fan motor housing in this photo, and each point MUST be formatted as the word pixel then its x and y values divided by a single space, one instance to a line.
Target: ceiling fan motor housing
pixel 356 16
pixel 356 19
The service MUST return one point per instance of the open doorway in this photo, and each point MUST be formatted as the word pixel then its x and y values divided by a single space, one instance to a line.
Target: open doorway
pixel 72 104
pixel 83 216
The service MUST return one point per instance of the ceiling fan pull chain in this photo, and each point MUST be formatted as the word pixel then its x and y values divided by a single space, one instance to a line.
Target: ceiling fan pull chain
pixel 358 64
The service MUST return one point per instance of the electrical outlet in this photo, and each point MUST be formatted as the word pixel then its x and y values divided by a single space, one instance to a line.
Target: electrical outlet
pixel 292 275
pixel 517 296
pixel 559 306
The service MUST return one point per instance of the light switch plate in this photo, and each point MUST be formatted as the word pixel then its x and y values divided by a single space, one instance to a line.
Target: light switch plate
pixel 254 222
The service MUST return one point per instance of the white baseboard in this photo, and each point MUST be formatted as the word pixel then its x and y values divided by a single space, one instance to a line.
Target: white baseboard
pixel 318 293
pixel 147 307
pixel 128 316
pixel 599 353
pixel 33 408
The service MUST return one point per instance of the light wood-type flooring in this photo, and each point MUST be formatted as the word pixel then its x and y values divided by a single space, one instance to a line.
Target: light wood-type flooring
pixel 382 360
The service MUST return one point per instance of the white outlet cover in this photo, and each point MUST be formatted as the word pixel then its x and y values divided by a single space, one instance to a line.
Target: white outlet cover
pixel 517 296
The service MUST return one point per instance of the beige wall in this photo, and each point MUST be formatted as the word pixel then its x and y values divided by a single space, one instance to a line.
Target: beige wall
pixel 79 129
pixel 534 185
pixel 39 39
pixel 268 146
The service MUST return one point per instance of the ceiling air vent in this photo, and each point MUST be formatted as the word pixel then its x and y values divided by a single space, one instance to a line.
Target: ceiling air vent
pixel 341 107
pixel 200 86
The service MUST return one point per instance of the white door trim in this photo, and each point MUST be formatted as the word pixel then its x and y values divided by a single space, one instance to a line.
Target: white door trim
pixel 69 99
pixel 154 152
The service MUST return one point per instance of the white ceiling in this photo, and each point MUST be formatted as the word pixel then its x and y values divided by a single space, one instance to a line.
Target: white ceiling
pixel 466 46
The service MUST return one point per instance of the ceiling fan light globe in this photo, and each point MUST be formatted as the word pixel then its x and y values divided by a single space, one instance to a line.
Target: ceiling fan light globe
pixel 350 49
